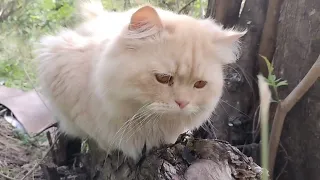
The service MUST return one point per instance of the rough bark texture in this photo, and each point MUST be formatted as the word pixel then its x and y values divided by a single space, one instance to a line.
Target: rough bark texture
pixel 188 159
pixel 298 46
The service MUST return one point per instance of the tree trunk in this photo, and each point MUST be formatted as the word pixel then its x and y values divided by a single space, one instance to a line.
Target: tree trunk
pixel 297 48
pixel 187 159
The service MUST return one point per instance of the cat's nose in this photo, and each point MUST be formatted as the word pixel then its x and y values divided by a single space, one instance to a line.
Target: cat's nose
pixel 182 104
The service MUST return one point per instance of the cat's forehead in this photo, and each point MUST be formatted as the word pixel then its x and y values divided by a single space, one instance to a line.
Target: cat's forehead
pixel 186 50
pixel 184 63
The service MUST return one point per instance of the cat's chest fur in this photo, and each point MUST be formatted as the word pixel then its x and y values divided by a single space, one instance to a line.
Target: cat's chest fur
pixel 116 127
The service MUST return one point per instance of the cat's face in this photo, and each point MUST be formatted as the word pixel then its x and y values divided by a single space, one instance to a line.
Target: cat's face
pixel 176 66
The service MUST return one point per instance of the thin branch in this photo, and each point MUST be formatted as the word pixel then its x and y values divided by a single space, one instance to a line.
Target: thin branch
pixel 6 177
pixel 185 6
pixel 285 106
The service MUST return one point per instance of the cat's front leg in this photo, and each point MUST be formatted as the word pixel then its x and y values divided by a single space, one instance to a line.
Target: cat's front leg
pixel 71 128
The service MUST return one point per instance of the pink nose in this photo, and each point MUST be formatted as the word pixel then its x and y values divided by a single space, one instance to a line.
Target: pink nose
pixel 182 104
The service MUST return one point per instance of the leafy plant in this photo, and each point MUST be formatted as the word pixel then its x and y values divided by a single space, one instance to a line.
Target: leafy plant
pixel 272 79
pixel 21 30
pixel 27 140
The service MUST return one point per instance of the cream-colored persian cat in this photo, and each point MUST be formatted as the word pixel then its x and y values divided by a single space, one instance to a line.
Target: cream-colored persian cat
pixel 144 76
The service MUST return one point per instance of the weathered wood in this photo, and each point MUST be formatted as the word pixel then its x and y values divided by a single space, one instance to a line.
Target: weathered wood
pixel 188 159
pixel 297 48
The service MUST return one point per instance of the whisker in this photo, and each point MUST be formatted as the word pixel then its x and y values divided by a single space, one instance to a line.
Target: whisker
pixel 135 125
pixel 234 108
pixel 156 122
pixel 245 75
pixel 138 126
pixel 124 127
pixel 137 114
pixel 141 125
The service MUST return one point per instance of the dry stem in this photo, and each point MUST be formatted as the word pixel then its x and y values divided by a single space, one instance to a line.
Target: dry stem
pixel 285 106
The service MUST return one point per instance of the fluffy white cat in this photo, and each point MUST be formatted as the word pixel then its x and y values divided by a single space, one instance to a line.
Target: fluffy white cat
pixel 141 76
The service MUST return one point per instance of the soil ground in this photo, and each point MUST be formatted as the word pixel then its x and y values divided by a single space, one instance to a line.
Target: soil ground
pixel 19 153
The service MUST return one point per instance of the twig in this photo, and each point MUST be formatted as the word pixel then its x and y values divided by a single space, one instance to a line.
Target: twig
pixel 6 177
pixel 285 106
pixel 53 153
pixel 185 6
pixel 45 155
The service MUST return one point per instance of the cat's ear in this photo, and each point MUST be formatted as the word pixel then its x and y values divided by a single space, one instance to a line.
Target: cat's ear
pixel 228 36
pixel 145 18
pixel 228 43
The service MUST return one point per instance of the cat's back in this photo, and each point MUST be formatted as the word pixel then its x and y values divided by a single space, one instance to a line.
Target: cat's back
pixel 65 65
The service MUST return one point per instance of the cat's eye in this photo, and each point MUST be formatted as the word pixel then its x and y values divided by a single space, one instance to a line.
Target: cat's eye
pixel 200 84
pixel 164 78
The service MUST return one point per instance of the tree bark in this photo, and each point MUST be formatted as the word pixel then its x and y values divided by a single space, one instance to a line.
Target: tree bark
pixel 187 159
pixel 297 48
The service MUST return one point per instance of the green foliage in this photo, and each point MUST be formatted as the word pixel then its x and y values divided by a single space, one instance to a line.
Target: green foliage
pixel 27 140
pixel 32 19
pixel 22 29
pixel 272 79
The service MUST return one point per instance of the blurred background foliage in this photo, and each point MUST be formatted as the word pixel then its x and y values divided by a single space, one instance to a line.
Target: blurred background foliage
pixel 22 22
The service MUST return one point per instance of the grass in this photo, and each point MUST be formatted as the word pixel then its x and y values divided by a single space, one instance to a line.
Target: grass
pixel 15 61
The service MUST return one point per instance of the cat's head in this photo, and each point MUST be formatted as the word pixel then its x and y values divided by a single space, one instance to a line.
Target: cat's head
pixel 173 62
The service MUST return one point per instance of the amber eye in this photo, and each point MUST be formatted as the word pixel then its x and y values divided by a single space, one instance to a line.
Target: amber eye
pixel 200 84
pixel 164 79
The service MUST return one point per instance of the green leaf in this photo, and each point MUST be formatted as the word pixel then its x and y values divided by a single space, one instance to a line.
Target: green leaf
pixel 272 78
pixel 282 83
pixel 48 4
pixel 278 80
pixel 269 65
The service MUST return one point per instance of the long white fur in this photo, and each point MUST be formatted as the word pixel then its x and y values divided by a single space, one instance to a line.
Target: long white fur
pixel 100 80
